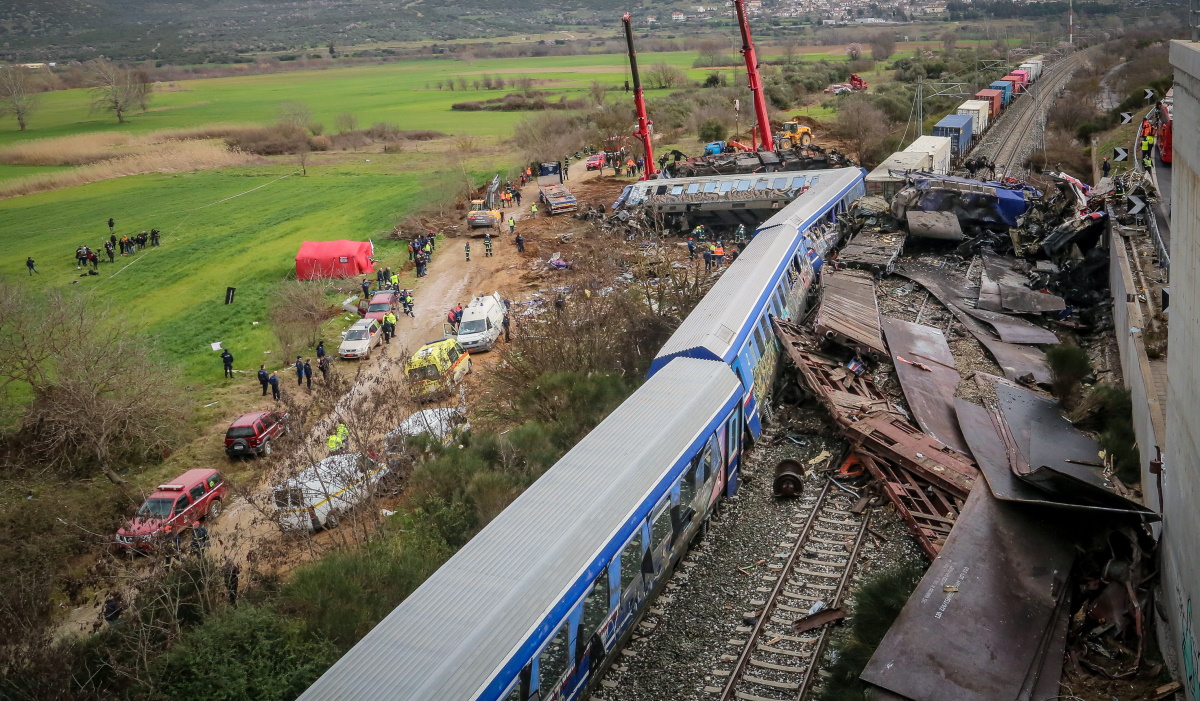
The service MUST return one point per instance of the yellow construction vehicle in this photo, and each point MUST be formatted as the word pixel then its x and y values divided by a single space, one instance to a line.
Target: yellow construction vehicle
pixel 793 134
pixel 481 215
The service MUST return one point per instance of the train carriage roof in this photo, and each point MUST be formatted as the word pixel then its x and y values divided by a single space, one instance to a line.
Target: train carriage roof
pixel 719 323
pixel 447 640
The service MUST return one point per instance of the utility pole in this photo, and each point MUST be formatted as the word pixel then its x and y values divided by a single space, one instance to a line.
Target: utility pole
pixel 920 106
pixel 1071 22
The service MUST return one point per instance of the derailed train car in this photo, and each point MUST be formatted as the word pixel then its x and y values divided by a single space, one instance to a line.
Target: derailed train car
pixel 540 601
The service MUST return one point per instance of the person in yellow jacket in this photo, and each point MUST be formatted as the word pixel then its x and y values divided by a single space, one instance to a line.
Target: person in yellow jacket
pixel 337 442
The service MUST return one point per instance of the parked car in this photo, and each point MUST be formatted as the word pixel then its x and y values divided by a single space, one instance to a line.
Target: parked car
pixel 381 303
pixel 364 335
pixel 251 434
pixel 595 162
pixel 172 508
pixel 322 494
pixel 435 369
pixel 481 324
pixel 443 424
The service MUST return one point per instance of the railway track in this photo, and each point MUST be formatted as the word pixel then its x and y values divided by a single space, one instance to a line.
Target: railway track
pixel 1017 129
pixel 776 663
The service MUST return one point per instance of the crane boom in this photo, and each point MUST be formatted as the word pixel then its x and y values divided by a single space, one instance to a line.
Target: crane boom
pixel 639 100
pixel 756 90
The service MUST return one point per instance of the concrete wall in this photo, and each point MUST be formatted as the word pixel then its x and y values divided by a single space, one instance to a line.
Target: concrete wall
pixel 1181 470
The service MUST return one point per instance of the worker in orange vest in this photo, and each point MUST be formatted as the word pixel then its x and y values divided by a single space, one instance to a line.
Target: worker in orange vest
pixel 719 254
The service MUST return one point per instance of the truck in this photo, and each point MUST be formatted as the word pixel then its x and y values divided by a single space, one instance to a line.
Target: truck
pixel 481 324
pixel 552 192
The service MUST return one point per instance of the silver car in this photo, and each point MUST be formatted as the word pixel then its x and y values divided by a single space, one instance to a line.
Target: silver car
pixel 364 335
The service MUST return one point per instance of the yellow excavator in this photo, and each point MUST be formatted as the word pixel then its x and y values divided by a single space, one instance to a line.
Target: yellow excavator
pixel 793 134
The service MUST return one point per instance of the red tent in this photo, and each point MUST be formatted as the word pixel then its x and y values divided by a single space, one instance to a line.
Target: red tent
pixel 323 259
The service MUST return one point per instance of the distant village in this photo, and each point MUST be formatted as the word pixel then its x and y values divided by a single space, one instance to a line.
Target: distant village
pixel 830 12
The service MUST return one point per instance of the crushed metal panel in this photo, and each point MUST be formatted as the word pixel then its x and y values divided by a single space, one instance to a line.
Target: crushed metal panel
pixel 1013 329
pixel 845 395
pixel 1023 299
pixel 849 312
pixel 929 387
pixel 889 436
pixel 934 225
pixel 1006 568
pixel 874 250
pixel 979 427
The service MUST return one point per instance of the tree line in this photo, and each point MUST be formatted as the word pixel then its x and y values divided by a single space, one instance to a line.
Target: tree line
pixel 115 88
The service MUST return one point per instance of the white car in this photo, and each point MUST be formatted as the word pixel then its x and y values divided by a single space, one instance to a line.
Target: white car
pixel 320 495
pixel 444 424
pixel 364 335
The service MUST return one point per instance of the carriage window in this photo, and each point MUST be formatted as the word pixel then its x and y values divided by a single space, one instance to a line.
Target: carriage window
pixel 660 529
pixel 758 336
pixel 693 188
pixel 815 179
pixel 553 662
pixel 662 190
pixel 779 184
pixel 687 485
pixel 595 610
pixel 760 185
pixel 631 559
pixel 727 186
pixel 710 186
pixel 798 182
pixel 743 185
pixel 677 189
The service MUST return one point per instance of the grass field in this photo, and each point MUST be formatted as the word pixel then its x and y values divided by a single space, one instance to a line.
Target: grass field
pixel 249 242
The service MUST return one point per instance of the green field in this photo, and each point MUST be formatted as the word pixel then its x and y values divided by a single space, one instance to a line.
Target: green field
pixel 176 292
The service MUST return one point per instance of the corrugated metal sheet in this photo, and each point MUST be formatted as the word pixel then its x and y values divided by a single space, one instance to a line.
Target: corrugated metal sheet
pixel 459 627
pixel 718 325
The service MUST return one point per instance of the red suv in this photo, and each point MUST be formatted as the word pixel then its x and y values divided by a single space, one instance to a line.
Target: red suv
pixel 381 303
pixel 194 495
pixel 251 434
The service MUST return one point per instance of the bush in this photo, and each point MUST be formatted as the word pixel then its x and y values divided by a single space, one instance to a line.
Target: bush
pixel 712 130
pixel 1118 438
pixel 244 653
pixel 275 140
pixel 320 143
pixel 1069 364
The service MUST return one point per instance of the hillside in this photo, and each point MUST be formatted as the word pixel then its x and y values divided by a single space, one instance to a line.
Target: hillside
pixel 177 31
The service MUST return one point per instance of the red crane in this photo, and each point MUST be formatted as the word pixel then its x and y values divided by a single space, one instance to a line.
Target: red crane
pixel 760 103
pixel 639 100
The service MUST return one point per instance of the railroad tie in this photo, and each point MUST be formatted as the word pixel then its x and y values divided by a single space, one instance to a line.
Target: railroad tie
pixel 789 686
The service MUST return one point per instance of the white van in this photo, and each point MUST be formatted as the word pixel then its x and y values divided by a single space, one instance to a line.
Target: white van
pixel 482 323
pixel 320 495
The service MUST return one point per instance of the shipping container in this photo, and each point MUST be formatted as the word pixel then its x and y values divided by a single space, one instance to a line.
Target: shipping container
pixel 1040 59
pixel 1035 70
pixel 995 100
pixel 1004 87
pixel 888 178
pixel 938 149
pixel 958 128
pixel 1018 83
pixel 979 110
pixel 1026 77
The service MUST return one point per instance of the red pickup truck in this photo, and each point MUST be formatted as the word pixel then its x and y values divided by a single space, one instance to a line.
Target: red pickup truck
pixel 172 508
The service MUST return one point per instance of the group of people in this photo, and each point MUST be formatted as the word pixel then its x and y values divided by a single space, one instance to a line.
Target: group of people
pixel 1147 134
pixel 487 243
pixel 420 252
pixel 714 253
pixel 510 196
pixel 127 245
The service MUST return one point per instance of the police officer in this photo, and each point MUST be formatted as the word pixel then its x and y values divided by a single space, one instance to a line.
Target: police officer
pixel 273 380
pixel 227 359
pixel 366 287
pixel 320 350
pixel 308 373
pixel 263 378
pixel 299 365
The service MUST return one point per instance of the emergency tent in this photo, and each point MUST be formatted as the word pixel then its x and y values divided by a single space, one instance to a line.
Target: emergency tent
pixel 326 259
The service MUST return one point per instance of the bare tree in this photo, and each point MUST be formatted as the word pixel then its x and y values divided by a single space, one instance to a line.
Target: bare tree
pixel 99 397
pixel 597 92
pixel 294 113
pixel 789 51
pixel 949 40
pixel 298 308
pixel 861 126
pixel 344 122
pixel 854 51
pixel 117 89
pixel 883 45
pixel 665 76
pixel 18 92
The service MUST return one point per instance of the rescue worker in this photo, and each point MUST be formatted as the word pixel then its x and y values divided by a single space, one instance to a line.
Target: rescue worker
pixel 487 245
pixel 227 360
pixel 691 248
pixel 450 319
pixel 512 225
pixel 199 538
pixel 520 243
pixel 1145 146
pixel 719 255
pixel 1148 163
pixel 389 327
pixel 407 300
pixel 708 260
pixel 517 196
pixel 337 442
pixel 1105 166
pixel 395 281
pixel 467 249
pixel 699 233
pixel 263 378
pixel 506 324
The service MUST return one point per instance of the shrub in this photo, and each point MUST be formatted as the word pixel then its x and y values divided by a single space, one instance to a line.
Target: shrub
pixel 320 143
pixel 1069 364
pixel 1118 438
pixel 275 140
pixel 712 130
pixel 241 653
